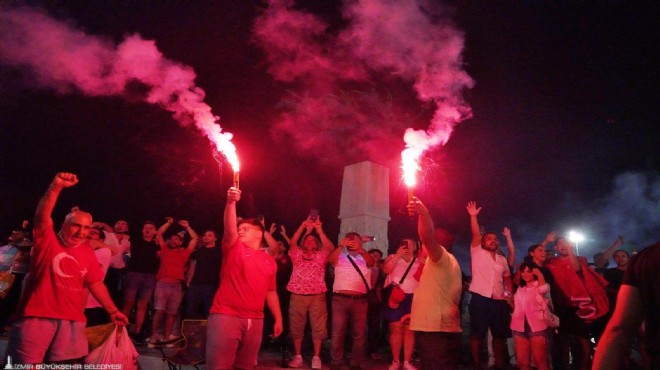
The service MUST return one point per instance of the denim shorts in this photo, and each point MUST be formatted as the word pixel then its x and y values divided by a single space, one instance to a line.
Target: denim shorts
pixel 168 297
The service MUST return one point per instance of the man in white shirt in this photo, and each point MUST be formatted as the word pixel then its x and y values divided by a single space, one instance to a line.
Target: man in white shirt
pixel 349 298
pixel 491 288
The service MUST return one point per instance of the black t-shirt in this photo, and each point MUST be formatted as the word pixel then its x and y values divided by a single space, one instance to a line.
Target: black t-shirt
pixel 144 256
pixel 644 273
pixel 207 266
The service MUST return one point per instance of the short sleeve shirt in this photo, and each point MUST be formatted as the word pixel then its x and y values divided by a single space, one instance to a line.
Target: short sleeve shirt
pixel 246 276
pixel 347 277
pixel 58 276
pixel 308 273
pixel 488 273
pixel 435 302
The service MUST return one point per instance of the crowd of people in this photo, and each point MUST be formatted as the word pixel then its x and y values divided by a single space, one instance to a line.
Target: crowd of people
pixel 551 311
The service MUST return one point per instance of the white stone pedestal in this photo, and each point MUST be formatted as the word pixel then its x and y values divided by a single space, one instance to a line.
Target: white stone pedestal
pixel 365 203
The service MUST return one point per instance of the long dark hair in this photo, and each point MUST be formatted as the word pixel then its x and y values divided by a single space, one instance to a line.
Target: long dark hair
pixel 531 266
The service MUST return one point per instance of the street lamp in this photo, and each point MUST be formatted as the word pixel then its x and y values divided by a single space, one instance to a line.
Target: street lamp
pixel 577 238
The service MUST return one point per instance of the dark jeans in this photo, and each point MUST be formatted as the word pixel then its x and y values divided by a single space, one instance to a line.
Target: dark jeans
pixel 438 350
pixel 374 331
pixel 343 310
pixel 199 298
pixel 113 281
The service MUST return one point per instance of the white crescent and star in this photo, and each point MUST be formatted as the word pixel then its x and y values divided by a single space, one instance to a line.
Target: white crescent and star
pixel 57 265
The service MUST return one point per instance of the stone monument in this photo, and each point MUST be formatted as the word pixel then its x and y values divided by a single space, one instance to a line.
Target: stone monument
pixel 365 203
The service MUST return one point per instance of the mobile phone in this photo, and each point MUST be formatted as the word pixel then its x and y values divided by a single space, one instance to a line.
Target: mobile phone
pixel 313 214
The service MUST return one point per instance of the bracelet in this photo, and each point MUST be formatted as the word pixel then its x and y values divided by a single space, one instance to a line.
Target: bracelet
pixel 113 312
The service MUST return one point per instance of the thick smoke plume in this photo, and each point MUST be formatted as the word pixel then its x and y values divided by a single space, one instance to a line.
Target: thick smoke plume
pixel 630 209
pixel 63 58
pixel 380 43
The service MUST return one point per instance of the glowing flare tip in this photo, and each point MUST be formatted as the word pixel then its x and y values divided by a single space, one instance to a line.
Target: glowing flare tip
pixel 410 166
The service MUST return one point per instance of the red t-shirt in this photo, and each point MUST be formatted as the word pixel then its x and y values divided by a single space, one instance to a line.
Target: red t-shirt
pixel 172 263
pixel 245 278
pixel 58 276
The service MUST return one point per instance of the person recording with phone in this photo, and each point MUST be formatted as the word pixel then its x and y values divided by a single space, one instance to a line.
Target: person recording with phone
pixel 308 288
pixel 349 298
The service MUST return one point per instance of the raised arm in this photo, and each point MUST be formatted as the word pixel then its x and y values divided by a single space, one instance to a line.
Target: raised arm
pixel 42 216
pixel 604 259
pixel 473 211
pixel 300 233
pixel 273 248
pixel 368 258
pixel 326 243
pixel 333 258
pixel 230 234
pixel 284 235
pixel 425 229
pixel 573 259
pixel 194 238
pixel 511 257
pixel 161 231
pixel 107 228
pixel 549 238
pixel 539 276
pixel 391 260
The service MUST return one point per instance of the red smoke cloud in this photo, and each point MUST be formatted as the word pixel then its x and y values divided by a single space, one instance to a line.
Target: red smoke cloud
pixel 381 43
pixel 66 59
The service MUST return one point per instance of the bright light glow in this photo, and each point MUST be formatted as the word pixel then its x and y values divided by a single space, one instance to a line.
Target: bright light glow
pixel 575 237
pixel 410 166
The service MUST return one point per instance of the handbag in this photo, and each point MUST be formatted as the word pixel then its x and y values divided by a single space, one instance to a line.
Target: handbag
pixel 393 294
pixel 6 282
pixel 117 349
pixel 545 311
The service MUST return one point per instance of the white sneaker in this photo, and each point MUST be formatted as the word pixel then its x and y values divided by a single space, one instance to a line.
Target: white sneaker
pixel 408 366
pixel 316 363
pixel 296 362
pixel 395 365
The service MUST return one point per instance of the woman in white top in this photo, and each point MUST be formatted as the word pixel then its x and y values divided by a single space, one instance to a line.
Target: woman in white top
pixel 530 334
pixel 396 314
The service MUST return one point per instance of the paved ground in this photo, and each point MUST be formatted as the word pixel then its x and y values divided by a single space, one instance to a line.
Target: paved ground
pixel 268 359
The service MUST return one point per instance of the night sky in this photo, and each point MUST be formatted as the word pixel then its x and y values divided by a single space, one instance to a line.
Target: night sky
pixel 562 131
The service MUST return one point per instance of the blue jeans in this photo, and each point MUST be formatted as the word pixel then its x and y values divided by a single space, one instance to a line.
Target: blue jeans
pixel 343 310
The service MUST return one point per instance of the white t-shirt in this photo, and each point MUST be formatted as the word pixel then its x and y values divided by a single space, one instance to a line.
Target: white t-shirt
pixel 347 278
pixel 124 246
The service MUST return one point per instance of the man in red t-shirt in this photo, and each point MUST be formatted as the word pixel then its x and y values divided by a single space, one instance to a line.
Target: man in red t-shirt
pixel 247 279
pixel 50 325
pixel 169 292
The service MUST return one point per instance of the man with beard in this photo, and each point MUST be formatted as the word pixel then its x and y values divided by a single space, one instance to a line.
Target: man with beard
pixel 491 287
pixel 50 325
